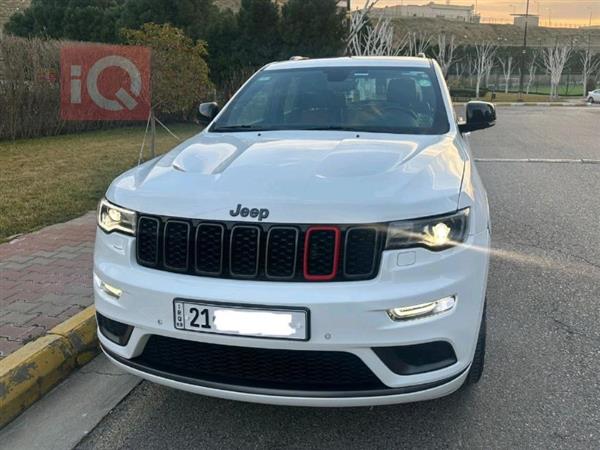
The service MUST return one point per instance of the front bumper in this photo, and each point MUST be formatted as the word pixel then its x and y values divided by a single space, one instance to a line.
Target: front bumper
pixel 345 317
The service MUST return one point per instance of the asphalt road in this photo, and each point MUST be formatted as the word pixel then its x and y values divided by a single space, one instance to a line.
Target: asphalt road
pixel 541 387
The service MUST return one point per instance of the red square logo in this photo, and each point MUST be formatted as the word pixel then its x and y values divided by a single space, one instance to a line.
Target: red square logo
pixel 104 82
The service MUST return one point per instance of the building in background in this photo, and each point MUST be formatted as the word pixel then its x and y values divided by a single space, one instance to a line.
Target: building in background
pixel 431 10
pixel 531 20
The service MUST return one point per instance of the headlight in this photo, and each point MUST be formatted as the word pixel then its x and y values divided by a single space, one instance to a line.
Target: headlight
pixel 434 233
pixel 115 218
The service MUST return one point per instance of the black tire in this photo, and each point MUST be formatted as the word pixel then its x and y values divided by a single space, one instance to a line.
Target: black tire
pixel 591 100
pixel 476 369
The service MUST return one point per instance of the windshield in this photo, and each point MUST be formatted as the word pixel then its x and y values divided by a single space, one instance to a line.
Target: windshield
pixel 374 99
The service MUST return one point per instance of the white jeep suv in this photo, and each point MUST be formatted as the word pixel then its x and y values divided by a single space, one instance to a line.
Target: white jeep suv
pixel 323 242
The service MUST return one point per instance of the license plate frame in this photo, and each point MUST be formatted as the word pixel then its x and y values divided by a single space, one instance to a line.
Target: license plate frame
pixel 180 322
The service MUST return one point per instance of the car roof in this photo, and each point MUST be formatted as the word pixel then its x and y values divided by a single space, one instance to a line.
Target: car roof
pixel 351 61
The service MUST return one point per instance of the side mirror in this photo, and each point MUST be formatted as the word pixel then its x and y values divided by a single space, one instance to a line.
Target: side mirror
pixel 480 115
pixel 208 111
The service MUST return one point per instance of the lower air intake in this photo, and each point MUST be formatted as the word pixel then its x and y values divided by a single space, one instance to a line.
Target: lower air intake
pixel 298 370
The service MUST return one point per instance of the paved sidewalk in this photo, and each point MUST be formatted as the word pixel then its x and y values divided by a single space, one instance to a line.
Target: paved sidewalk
pixel 45 278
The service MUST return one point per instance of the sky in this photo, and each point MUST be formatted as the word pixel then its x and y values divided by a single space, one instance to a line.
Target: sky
pixel 576 12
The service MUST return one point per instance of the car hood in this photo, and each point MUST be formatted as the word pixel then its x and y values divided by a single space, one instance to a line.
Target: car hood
pixel 300 177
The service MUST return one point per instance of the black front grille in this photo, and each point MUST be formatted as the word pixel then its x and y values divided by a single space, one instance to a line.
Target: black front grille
pixel 147 240
pixel 282 247
pixel 244 251
pixel 297 370
pixel 209 248
pixel 321 256
pixel 177 239
pixel 360 251
pixel 260 251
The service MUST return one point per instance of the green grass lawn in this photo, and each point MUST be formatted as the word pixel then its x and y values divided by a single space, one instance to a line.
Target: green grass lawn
pixel 513 97
pixel 54 179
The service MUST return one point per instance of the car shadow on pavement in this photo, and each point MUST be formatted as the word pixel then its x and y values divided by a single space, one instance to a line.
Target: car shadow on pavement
pixel 192 421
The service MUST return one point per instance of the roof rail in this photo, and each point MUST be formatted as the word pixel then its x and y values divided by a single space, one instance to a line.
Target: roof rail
pixel 299 58
pixel 422 55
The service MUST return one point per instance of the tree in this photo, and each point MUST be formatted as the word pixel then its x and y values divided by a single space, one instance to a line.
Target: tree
pixel 83 20
pixel 444 53
pixel 418 43
pixel 484 61
pixel 507 66
pixel 179 71
pixel 314 28
pixel 590 63
pixel 554 59
pixel 258 27
pixel 359 20
pixel 194 17
pixel 532 71
pixel 373 40
pixel 223 56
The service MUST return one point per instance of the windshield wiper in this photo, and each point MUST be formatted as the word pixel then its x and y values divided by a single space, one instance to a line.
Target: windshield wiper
pixel 328 128
pixel 238 128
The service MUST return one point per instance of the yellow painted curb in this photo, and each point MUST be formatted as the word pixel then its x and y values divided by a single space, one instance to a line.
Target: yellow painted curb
pixel 30 372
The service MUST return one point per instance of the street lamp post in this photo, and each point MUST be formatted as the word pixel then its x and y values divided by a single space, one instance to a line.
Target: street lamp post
pixel 524 54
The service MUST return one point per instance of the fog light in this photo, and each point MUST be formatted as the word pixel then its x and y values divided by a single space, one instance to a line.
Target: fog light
pixel 107 288
pixel 422 310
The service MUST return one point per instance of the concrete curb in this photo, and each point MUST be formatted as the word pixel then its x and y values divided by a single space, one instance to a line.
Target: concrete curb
pixel 545 104
pixel 27 374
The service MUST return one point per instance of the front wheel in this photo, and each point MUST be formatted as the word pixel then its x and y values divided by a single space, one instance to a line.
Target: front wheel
pixel 591 100
pixel 476 369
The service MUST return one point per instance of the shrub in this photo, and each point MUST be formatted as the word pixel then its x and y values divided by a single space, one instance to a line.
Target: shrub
pixel 467 93
pixel 30 90
pixel 179 70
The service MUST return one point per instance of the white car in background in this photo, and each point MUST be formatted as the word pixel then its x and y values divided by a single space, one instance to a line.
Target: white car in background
pixel 594 96
pixel 323 242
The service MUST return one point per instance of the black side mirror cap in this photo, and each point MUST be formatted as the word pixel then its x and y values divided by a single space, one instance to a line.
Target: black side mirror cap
pixel 208 111
pixel 480 115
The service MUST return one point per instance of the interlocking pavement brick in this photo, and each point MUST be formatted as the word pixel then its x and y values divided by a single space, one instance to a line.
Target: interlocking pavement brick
pixel 45 278
pixel 50 309
pixel 44 254
pixel 15 333
pixel 66 255
pixel 41 260
pixel 58 300
pixel 34 332
pixel 78 289
pixel 17 318
pixel 19 258
pixel 7 347
pixel 47 322
pixel 21 307
pixel 10 265
pixel 71 312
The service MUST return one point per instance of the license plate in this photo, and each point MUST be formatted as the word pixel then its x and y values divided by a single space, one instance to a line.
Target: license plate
pixel 251 321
